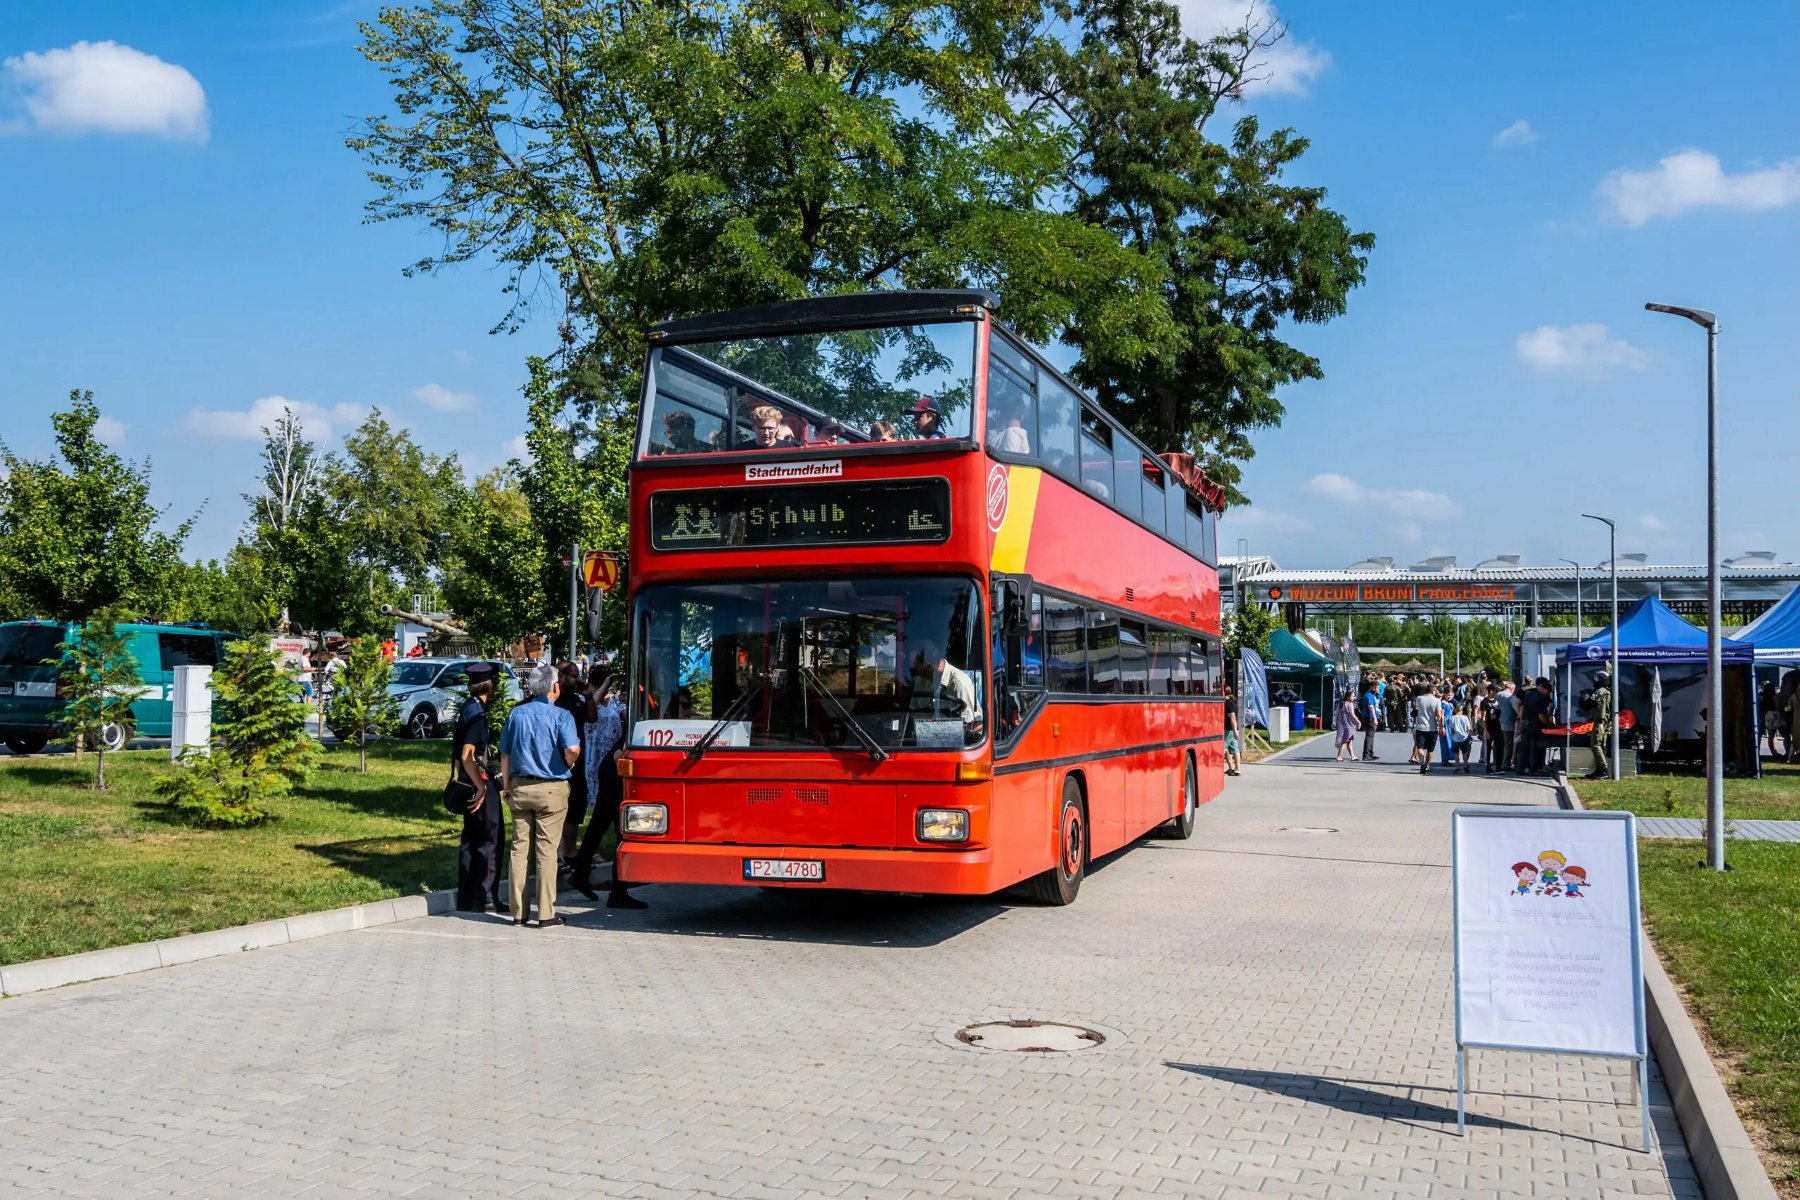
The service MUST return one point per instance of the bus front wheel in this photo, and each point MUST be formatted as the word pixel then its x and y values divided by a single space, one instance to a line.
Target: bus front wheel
pixel 1062 883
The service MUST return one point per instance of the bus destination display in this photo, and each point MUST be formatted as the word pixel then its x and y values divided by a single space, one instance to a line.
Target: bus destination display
pixel 817 514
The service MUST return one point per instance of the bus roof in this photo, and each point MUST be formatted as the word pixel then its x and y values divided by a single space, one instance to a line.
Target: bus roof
pixel 854 308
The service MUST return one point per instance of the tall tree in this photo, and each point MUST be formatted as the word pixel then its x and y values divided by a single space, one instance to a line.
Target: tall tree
pixel 82 535
pixel 1241 251
pixel 393 504
pixel 301 550
pixel 493 572
pixel 98 678
pixel 655 159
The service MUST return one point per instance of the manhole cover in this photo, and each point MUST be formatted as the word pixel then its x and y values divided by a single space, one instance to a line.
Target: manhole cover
pixel 1304 829
pixel 1030 1037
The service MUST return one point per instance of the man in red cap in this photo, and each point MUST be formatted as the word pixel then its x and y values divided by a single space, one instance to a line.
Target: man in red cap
pixel 927 421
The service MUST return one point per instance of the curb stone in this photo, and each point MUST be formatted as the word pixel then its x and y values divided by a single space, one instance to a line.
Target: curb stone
pixel 46 973
pixel 1724 1156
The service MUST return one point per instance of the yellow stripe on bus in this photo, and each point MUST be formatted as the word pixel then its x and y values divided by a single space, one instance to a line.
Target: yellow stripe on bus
pixel 1014 536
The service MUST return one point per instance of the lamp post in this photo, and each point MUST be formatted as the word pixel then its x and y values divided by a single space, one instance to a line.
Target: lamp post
pixel 1715 674
pixel 1612 561
pixel 1569 671
pixel 1577 567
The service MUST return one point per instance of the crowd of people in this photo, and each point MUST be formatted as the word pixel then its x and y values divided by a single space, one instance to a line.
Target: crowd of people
pixel 1450 716
pixel 554 763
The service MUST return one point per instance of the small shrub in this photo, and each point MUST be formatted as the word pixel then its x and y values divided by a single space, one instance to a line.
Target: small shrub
pixel 215 790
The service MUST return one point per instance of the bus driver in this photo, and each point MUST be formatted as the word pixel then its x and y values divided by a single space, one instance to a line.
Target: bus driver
pixel 948 686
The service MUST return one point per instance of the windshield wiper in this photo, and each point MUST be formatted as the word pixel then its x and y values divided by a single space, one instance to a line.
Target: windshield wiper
pixel 751 690
pixel 837 706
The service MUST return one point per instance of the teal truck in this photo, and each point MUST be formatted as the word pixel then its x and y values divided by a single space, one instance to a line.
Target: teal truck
pixel 28 699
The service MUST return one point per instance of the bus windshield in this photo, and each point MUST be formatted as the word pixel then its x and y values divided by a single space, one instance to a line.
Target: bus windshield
pixel 844 387
pixel 791 665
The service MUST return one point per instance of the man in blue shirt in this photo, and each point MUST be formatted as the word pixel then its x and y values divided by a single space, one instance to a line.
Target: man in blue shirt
pixel 537 752
pixel 1371 712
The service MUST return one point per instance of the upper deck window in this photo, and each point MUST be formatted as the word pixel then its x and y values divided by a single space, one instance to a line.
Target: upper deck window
pixel 841 387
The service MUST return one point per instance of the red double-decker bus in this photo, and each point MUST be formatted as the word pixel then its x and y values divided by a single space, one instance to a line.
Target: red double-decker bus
pixel 909 613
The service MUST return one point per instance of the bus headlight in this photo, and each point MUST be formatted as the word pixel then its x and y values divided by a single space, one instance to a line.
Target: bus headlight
pixel 943 825
pixel 647 818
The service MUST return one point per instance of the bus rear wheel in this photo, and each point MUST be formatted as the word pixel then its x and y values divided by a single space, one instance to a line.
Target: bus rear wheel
pixel 1181 828
pixel 1062 883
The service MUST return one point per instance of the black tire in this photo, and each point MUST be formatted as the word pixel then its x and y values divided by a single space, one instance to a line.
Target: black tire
pixel 114 737
pixel 27 743
pixel 1181 828
pixel 422 724
pixel 1062 883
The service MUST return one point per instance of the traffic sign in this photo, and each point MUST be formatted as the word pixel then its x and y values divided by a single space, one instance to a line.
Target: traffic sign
pixel 600 569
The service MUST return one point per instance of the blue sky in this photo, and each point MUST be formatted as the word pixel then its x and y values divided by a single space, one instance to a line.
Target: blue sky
pixel 196 250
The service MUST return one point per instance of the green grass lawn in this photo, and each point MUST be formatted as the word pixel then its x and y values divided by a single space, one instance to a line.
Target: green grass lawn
pixel 1774 797
pixel 87 869
pixel 1730 941
pixel 1252 754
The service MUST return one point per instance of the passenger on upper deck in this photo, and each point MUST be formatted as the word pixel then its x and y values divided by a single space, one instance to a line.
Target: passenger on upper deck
pixel 771 434
pixel 884 431
pixel 678 429
pixel 927 421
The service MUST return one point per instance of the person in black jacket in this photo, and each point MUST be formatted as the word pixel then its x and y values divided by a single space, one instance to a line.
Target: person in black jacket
pixel 478 859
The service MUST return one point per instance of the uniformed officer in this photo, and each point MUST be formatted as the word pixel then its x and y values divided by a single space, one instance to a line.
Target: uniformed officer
pixel 1603 723
pixel 478 859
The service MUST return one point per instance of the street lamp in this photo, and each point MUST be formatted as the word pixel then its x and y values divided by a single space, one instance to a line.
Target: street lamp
pixel 1569 671
pixel 1715 674
pixel 1612 560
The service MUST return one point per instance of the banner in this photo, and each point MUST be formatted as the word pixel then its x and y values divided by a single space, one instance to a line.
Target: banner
pixel 1546 931
pixel 1253 707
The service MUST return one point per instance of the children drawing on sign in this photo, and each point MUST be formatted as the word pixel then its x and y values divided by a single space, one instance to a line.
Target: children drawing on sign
pixel 1549 880
pixel 1526 874
pixel 1574 879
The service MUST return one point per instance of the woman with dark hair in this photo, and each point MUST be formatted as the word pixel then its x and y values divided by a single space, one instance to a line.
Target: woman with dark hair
pixel 478 858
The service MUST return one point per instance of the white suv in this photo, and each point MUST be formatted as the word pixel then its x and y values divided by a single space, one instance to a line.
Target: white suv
pixel 430 690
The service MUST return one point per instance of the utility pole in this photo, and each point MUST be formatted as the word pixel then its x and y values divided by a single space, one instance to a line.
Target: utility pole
pixel 574 593
pixel 1715 671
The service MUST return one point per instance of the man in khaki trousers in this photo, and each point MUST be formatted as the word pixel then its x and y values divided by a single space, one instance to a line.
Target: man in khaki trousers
pixel 537 751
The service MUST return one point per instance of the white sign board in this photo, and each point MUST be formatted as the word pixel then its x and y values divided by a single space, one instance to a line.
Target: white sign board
pixel 1547 950
pixel 682 734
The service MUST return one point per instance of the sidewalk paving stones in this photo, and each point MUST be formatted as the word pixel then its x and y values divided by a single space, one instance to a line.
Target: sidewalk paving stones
pixel 1694 827
pixel 1284 995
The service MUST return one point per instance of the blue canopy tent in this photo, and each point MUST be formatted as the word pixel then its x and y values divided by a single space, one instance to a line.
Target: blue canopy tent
pixel 1660 653
pixel 1776 634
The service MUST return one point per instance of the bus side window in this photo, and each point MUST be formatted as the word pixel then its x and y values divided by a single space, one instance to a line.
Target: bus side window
pixel 1134 659
pixel 1103 652
pixel 1012 417
pixel 1202 679
pixel 1215 667
pixel 1065 649
pixel 1056 429
pixel 687 415
pixel 1169 669
pixel 1096 456
pixel 1128 476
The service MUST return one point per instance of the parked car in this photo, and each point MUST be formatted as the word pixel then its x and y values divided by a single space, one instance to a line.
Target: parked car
pixel 430 691
pixel 28 699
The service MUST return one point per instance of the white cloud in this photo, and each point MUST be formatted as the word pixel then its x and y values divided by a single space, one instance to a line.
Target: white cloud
pixel 110 430
pixel 1265 520
pixel 1694 179
pixel 1287 67
pixel 1412 504
pixel 516 448
pixel 461 358
pixel 1653 523
pixel 1578 349
pixel 318 421
pixel 1519 133
pixel 106 88
pixel 441 398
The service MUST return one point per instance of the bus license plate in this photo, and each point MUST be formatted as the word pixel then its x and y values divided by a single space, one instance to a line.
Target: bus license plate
pixel 785 870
